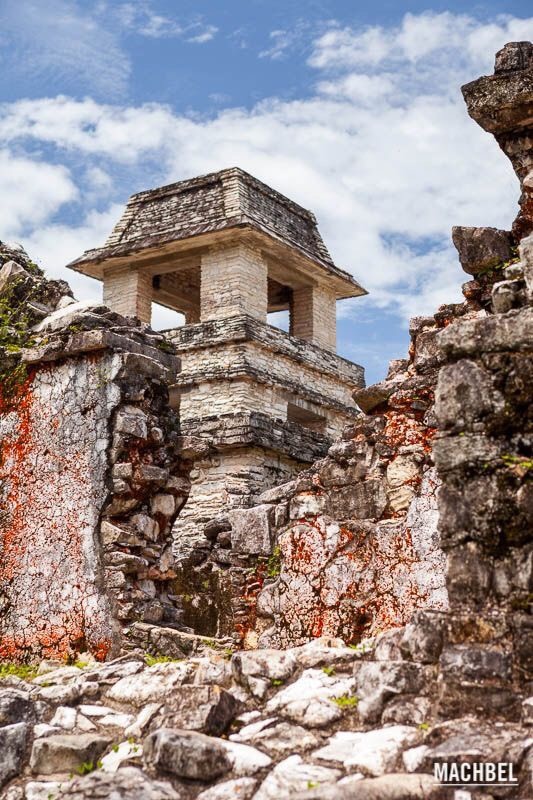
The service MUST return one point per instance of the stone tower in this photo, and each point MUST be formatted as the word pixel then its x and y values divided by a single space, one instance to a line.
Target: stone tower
pixel 226 250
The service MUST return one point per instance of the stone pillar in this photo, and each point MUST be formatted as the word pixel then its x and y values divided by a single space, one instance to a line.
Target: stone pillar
pixel 129 292
pixel 314 316
pixel 233 281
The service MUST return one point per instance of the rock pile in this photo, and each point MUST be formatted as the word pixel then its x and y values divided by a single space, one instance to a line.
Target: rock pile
pixel 318 721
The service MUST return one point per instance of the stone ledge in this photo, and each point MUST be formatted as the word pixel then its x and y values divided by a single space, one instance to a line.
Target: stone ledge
pixel 94 340
pixel 248 372
pixel 244 328
pixel 253 428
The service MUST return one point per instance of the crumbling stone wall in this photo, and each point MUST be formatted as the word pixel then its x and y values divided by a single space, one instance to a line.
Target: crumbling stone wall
pixel 53 485
pixel 90 475
pixel 484 456
pixel 355 548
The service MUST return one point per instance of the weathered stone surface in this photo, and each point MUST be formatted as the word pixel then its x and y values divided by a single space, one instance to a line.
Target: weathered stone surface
pixel 237 789
pixel 186 754
pixel 149 686
pixel 525 249
pixel 209 709
pixel 371 753
pixel 15 706
pixel 377 682
pixel 13 740
pixel 511 331
pixel 257 670
pixel 10 273
pixel 396 786
pixel 481 249
pixel 128 783
pixel 41 790
pixel 465 395
pixel 66 752
pixel 309 700
pixel 353 578
pixel 423 638
pixel 293 775
pixel 514 56
pixel 474 663
pixel 324 651
pixel 245 760
pixel 251 530
pixel 279 740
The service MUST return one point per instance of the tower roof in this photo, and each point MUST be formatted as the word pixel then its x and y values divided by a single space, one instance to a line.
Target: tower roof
pixel 198 208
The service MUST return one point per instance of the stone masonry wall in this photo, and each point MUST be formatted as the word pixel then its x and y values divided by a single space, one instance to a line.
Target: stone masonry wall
pixel 52 476
pixel 91 480
pixel 484 456
pixel 239 364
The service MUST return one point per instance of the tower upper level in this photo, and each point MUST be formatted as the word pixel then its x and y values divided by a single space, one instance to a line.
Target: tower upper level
pixel 218 246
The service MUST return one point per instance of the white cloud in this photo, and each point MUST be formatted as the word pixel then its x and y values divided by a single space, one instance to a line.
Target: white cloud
pixel 141 18
pixel 287 42
pixel 204 33
pixel 383 152
pixel 280 41
pixel 55 245
pixel 458 39
pixel 62 44
pixel 30 192
pixel 359 88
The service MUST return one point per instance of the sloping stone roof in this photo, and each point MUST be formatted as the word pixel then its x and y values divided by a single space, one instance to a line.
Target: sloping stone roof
pixel 217 201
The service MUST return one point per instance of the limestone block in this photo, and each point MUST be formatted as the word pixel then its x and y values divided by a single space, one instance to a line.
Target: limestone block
pixel 294 775
pixel 242 788
pixel 465 394
pixel 256 670
pixel 309 700
pixel 525 249
pixel 132 421
pixel 379 681
pixel 245 760
pixel 475 663
pixel 209 709
pixel 15 706
pixel 186 754
pixel 164 504
pixel 65 752
pixel 12 746
pixel 10 273
pixel 252 530
pixel 129 783
pixel 373 752
pixel 150 685
pixel 481 249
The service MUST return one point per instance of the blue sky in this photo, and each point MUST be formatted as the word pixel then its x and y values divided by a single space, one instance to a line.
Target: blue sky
pixel 351 108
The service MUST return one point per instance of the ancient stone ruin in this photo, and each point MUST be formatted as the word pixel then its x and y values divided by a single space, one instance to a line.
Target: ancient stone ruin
pixel 227 567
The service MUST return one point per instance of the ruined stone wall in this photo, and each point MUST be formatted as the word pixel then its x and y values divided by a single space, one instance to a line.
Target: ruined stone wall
pixel 52 477
pixel 234 457
pixel 356 549
pixel 90 479
pixel 484 457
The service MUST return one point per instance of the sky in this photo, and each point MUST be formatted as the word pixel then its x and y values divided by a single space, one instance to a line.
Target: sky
pixel 351 108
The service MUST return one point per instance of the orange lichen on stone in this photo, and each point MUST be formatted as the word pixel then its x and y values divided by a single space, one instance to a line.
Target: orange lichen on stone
pixel 52 470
